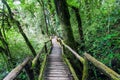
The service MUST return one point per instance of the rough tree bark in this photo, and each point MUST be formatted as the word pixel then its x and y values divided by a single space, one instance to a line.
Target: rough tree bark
pixel 64 17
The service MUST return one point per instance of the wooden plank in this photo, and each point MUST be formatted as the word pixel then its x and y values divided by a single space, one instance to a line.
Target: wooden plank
pixel 56 69
pixel 15 72
pixel 106 70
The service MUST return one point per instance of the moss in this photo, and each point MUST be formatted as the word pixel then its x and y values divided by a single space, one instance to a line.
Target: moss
pixel 70 67
pixel 42 68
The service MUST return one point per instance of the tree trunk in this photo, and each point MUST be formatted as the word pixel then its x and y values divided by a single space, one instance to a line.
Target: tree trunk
pixel 45 17
pixel 82 42
pixel 7 51
pixel 25 37
pixel 64 17
pixel 20 28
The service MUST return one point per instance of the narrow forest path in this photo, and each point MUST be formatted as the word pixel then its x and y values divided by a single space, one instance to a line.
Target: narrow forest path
pixel 56 69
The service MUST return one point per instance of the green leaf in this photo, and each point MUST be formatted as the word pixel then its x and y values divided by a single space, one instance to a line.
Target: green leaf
pixel 74 3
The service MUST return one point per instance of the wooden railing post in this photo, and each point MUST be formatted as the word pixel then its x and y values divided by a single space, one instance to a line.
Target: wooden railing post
pixel 46 47
pixel 36 61
pixel 85 69
pixel 51 42
pixel 29 71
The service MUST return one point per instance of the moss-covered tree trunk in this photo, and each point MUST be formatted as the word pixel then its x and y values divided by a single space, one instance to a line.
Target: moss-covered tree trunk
pixel 80 29
pixel 64 18
pixel 5 46
pixel 42 4
pixel 20 28
pixel 25 38
pixel 6 51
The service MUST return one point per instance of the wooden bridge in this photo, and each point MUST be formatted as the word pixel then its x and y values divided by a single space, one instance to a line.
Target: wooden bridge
pixel 56 66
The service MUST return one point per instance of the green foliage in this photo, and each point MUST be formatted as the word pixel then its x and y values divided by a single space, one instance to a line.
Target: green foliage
pixel 31 18
pixel 22 76
pixel 75 3
pixel 100 22
pixel 101 26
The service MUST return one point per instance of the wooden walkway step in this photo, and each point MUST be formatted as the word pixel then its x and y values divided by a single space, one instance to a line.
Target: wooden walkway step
pixel 56 69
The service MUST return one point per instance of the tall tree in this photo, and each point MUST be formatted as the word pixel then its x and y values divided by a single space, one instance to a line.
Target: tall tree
pixel 5 48
pixel 80 29
pixel 64 18
pixel 20 28
pixel 42 4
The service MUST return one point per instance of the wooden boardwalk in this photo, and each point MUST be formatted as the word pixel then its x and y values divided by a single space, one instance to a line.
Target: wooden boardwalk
pixel 56 69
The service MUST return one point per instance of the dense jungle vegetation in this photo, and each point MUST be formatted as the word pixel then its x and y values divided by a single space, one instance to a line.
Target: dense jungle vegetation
pixel 91 26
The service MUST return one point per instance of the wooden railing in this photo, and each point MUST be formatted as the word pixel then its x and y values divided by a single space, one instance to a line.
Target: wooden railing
pixel 81 59
pixel 87 57
pixel 30 65
pixel 43 65
pixel 106 70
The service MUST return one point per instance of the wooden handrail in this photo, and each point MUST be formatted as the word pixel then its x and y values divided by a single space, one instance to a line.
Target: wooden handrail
pixel 25 64
pixel 15 72
pixel 106 70
pixel 42 68
pixel 43 64
pixel 81 59
pixel 75 53
pixel 34 61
